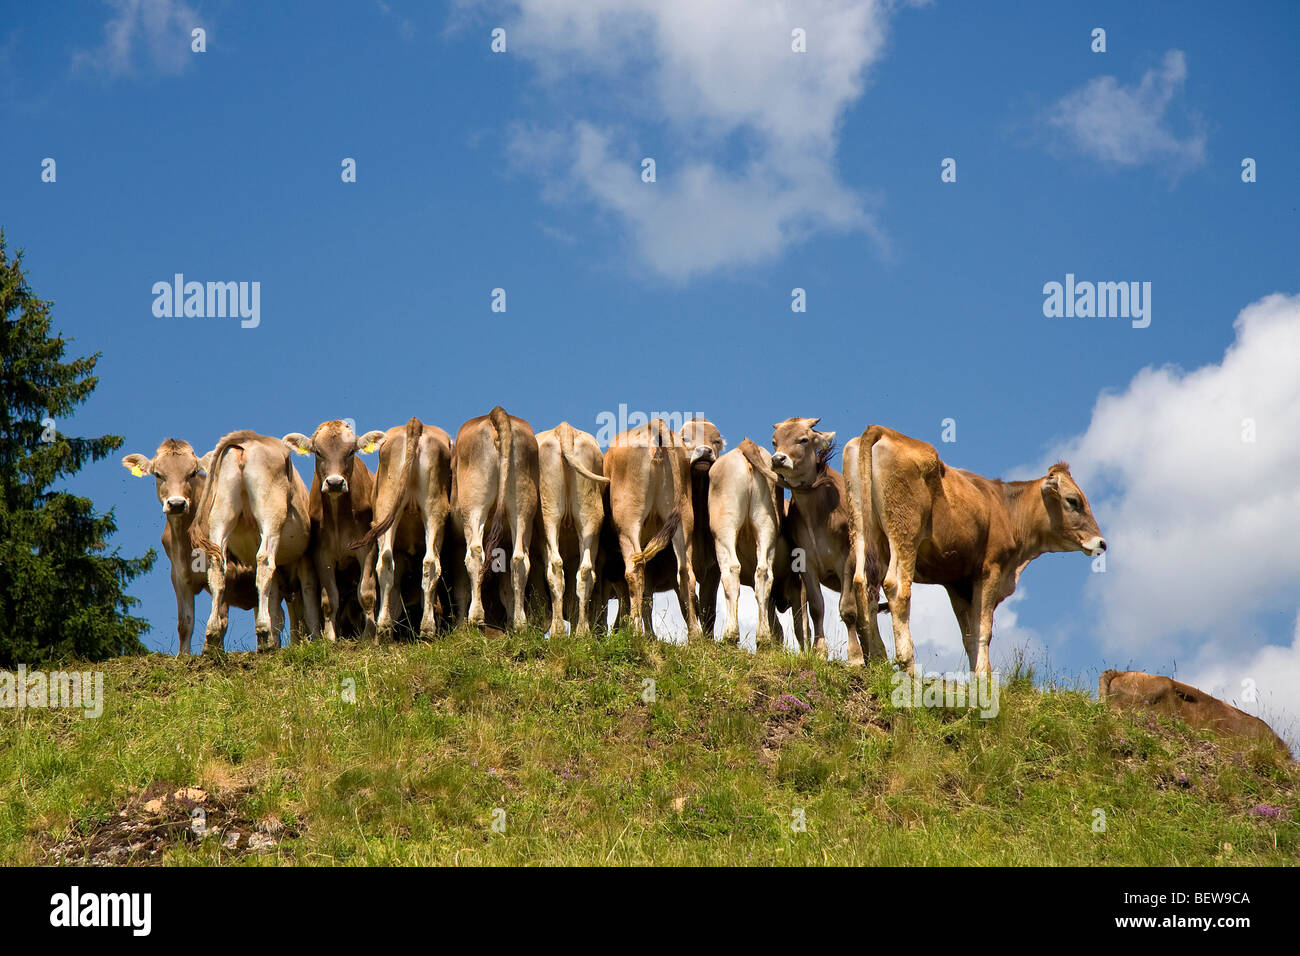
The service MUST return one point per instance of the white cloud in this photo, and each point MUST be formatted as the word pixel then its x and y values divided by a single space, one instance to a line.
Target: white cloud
pixel 1202 525
pixel 159 28
pixel 1127 125
pixel 743 130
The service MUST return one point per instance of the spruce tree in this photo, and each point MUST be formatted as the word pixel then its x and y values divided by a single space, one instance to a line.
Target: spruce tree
pixel 62 592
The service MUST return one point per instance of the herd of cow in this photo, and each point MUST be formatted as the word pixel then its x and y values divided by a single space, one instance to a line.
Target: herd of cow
pixel 550 519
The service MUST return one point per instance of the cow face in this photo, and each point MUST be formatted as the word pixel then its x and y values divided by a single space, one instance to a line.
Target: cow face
pixel 1073 528
pixel 702 441
pixel 335 446
pixel 798 450
pixel 176 471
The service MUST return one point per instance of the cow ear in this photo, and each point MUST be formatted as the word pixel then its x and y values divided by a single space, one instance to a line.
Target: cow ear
pixel 823 440
pixel 298 442
pixel 370 441
pixel 205 463
pixel 138 465
pixel 1052 485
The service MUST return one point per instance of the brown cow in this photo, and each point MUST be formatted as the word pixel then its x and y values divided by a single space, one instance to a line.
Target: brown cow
pixel 495 478
pixel 931 524
pixel 572 495
pixel 341 502
pixel 179 477
pixel 412 502
pixel 254 507
pixel 1164 695
pixel 650 498
pixel 821 524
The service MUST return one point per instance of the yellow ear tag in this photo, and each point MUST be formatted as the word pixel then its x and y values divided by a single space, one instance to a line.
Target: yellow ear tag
pixel 369 447
pixel 303 450
pixel 137 471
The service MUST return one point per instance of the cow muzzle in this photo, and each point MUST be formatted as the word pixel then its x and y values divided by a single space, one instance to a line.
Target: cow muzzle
pixel 781 460
pixel 334 485
pixel 1095 545
pixel 176 505
pixel 703 453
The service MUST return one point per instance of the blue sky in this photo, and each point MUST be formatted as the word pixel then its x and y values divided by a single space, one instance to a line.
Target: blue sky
pixel 775 170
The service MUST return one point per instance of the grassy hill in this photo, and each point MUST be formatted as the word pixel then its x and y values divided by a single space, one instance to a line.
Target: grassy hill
pixel 408 754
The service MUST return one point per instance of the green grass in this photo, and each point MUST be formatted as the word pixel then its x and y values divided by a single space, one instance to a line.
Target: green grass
pixel 556 733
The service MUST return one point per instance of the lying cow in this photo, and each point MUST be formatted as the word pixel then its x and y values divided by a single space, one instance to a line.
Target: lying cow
pixel 179 477
pixel 495 469
pixel 254 507
pixel 412 501
pixel 572 493
pixel 1164 695
pixel 821 525
pixel 341 503
pixel 926 523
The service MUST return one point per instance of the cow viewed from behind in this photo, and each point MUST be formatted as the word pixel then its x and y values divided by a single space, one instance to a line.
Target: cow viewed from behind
pixel 495 481
pixel 925 523
pixel 254 507
pixel 572 493
pixel 412 502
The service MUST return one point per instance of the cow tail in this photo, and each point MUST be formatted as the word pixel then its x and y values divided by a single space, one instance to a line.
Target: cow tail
pixel 671 525
pixel 565 431
pixel 199 527
pixel 501 424
pixel 866 579
pixel 410 455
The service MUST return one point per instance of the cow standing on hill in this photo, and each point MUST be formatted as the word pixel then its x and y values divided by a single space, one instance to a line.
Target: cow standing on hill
pixel 821 525
pixel 412 502
pixel 926 523
pixel 495 481
pixel 341 503
pixel 254 507
pixel 179 477
pixel 572 493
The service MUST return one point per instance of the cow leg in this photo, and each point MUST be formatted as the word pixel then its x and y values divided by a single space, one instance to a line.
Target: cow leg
pixel 474 526
pixel 214 635
pixel 386 570
pixel 586 580
pixel 367 592
pixel 683 549
pixel 430 572
pixel 275 616
pixel 849 613
pixel 555 576
pixel 184 611
pixel 307 589
pixel 983 603
pixel 519 566
pixel 329 592
pixel 816 610
pixel 630 544
pixel 765 555
pixel 898 591
pixel 729 569
pixel 969 636
pixel 265 585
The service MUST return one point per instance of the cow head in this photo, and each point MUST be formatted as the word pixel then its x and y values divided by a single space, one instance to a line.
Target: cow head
pixel 1073 528
pixel 335 446
pixel 702 441
pixel 799 451
pixel 176 471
